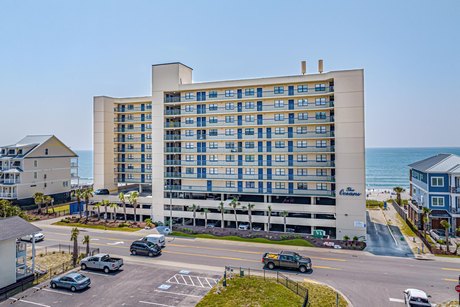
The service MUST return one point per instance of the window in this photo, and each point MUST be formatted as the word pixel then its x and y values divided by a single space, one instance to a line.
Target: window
pixel 302 88
pixel 302 102
pixel 280 171
pixel 149 156
pixel 279 131
pixel 320 87
pixel 213 120
pixel 229 119
pixel 130 166
pixel 302 130
pixel 249 131
pixel 148 126
pixel 213 171
pixel 250 184
pixel 189 108
pixel 189 170
pixel 302 158
pixel 189 96
pixel 280 158
pixel 320 101
pixel 212 94
pixel 229 184
pixel 213 145
pixel 148 176
pixel 189 145
pixel 130 156
pixel 35 163
pixel 279 103
pixel 302 116
pixel 279 117
pixel 35 175
pixel 280 185
pixel 249 158
pixel 320 115
pixel 229 131
pixel 321 172
pixel 320 129
pixel 229 145
pixel 279 144
pixel 249 105
pixel 148 106
pixel 189 120
pixel 249 145
pixel 278 89
pixel 148 116
pixel 46 151
pixel 189 133
pixel 437 181
pixel 148 146
pixel 229 106
pixel 250 171
pixel 302 172
pixel 212 107
pixel 148 166
pixel 302 186
pixel 213 158
pixel 321 186
pixel 189 158
pixel 437 201
pixel 229 158
pixel 321 144
pixel 148 136
pixel 229 93
pixel 249 92
pixel 249 118
pixel 230 171
pixel 65 183
pixel 301 144
pixel 321 158
pixel 213 132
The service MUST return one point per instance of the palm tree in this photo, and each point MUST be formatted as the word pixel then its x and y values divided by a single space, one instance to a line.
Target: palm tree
pixel 87 194
pixel 74 237
pixel 86 241
pixel 445 224
pixel 284 214
pixel 38 199
pixel 205 212
pixel 426 219
pixel 114 206
pixel 51 201
pixel 106 204
pixel 78 193
pixel 194 208
pixel 47 200
pixel 121 197
pixel 98 207
pixel 250 207
pixel 234 204
pixel 398 191
pixel 269 216
pixel 133 202
pixel 221 209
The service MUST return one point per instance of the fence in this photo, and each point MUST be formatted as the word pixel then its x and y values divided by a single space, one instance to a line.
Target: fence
pixel 68 248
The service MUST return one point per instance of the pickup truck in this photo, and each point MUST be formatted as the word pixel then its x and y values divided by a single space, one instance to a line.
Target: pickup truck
pixel 286 260
pixel 101 262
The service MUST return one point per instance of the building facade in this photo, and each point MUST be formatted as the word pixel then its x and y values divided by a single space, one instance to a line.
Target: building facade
pixel 37 163
pixel 435 184
pixel 289 146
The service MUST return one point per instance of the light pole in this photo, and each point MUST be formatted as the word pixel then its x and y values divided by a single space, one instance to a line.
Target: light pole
pixel 170 208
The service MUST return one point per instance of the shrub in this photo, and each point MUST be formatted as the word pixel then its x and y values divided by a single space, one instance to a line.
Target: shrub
pixel 54 252
pixel 159 223
pixel 41 255
pixel 123 224
pixel 355 238
pixel 187 230
pixel 346 238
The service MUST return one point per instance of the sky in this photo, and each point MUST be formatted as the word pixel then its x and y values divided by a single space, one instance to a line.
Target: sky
pixel 56 55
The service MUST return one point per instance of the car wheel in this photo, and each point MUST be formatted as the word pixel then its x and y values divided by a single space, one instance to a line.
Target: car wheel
pixel 302 269
pixel 271 265
pixel 83 266
pixel 73 289
pixel 106 270
pixel 53 285
pixel 133 252
pixel 150 254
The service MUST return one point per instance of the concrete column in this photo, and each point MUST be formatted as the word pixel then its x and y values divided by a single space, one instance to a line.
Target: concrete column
pixel 313 200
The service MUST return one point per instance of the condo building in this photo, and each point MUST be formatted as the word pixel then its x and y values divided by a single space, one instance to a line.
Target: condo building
pixel 291 147
pixel 37 163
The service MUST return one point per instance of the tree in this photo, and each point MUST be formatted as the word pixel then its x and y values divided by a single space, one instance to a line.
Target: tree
pixel 194 208
pixel 445 224
pixel 148 222
pixel 87 195
pixel 78 194
pixel 133 202
pixel 398 191
pixel 98 207
pixel 234 204
pixel 205 212
pixel 269 216
pixel 114 207
pixel 426 219
pixel 7 210
pixel 221 209
pixel 284 214
pixel 121 197
pixel 48 200
pixel 39 199
pixel 74 237
pixel 86 241
pixel 106 204
pixel 250 207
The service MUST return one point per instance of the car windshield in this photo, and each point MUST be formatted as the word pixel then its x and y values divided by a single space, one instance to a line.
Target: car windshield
pixel 297 257
pixel 150 244
pixel 79 277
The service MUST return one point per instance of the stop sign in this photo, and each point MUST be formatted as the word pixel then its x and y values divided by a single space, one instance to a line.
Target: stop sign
pixel 457 288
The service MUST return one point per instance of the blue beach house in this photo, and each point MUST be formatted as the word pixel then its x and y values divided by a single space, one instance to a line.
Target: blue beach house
pixel 435 184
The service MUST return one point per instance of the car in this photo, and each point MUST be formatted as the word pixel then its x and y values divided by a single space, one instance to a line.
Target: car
pixel 102 192
pixel 211 225
pixel 101 262
pixel 72 281
pixel 243 227
pixel 256 228
pixel 287 260
pixel 140 247
pixel 416 298
pixel 38 237
pixel 164 230
pixel 290 230
pixel 438 234
pixel 157 239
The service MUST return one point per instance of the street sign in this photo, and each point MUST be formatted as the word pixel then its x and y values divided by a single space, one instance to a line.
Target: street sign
pixel 457 288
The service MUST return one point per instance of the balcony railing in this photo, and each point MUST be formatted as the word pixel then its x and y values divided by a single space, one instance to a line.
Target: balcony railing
pixel 173 149
pixel 10 181
pixel 131 140
pixel 126 130
pixel 224 176
pixel 134 109
pixel 172 112
pixel 252 163
pixel 132 119
pixel 129 150
pixel 455 189
pixel 133 180
pixel 172 125
pixel 172 137
pixel 8 195
pixel 132 170
pixel 126 160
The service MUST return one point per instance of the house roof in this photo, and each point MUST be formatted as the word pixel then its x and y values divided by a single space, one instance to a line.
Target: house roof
pixel 441 163
pixel 15 227
pixel 32 142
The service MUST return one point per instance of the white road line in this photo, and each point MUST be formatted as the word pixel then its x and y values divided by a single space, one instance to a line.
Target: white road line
pixel 175 293
pixel 54 291
pixel 152 303
pixel 94 273
pixel 396 300
pixel 191 279
pixel 208 282
pixel 183 279
pixel 200 282
pixel 29 302
pixel 175 277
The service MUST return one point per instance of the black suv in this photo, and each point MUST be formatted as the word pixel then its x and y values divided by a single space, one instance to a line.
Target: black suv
pixel 102 192
pixel 144 248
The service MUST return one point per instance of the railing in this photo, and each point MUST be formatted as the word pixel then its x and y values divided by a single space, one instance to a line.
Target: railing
pixel 132 170
pixel 172 112
pixel 172 124
pixel 455 189
pixel 135 109
pixel 131 140
pixel 126 160
pixel 172 137
pixel 129 150
pixel 132 119
pixel 8 195
pixel 133 180
pixel 126 130
pixel 173 149
pixel 10 181
pixel 221 189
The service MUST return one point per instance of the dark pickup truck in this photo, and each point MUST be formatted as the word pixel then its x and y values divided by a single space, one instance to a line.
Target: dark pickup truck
pixel 287 260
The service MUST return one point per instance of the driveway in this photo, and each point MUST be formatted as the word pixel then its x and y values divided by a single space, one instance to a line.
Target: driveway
pixel 384 240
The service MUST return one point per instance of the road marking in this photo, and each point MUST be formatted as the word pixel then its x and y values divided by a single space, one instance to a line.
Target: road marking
pixel 164 287
pixel 190 279
pixel 208 282
pixel 396 300
pixel 157 304
pixel 116 243
pixel 450 269
pixel 199 279
pixel 451 279
pixel 174 280
pixel 175 293
pixel 183 279
pixel 54 291
pixel 28 302
pixel 325 267
pixel 210 256
pixel 94 273
pixel 329 259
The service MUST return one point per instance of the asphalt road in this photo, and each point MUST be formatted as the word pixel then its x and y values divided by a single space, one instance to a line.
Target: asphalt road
pixel 366 279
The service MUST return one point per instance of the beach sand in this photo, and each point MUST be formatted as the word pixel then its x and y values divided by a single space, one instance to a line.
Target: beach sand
pixel 384 194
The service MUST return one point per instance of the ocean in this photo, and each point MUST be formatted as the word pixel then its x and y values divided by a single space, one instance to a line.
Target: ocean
pixel 385 167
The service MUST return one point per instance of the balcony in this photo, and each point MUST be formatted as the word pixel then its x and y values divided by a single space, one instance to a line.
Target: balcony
pixel 131 140
pixel 172 137
pixel 173 149
pixel 10 181
pixel 132 130
pixel 132 170
pixel 129 150
pixel 134 109
pixel 134 160
pixel 8 195
pixel 455 190
pixel 172 112
pixel 133 180
pixel 172 125
pixel 132 119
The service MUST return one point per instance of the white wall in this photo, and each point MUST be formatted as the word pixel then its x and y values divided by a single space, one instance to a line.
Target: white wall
pixel 7 262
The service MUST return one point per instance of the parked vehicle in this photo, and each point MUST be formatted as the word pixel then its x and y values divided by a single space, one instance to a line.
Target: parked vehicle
pixel 211 225
pixel 414 297
pixel 101 192
pixel 164 230
pixel 38 237
pixel 157 239
pixel 291 230
pixel 140 247
pixel 101 262
pixel 256 228
pixel 72 281
pixel 287 260
pixel 243 227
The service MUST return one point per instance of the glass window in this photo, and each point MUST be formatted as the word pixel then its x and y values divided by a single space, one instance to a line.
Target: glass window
pixel 189 145
pixel 214 158
pixel 437 201
pixel 229 106
pixel 321 144
pixel 213 145
pixel 213 120
pixel 302 158
pixel 279 103
pixel 189 158
pixel 212 107
pixel 320 129
pixel 320 115
pixel 229 145
pixel 280 185
pixel 250 171
pixel 302 186
pixel 321 172
pixel 321 158
pixel 301 144
pixel 229 184
pixel 213 171
pixel 302 116
pixel 249 144
pixel 250 184
pixel 279 130
pixel 302 88
pixel 213 132
pixel 189 96
pixel 189 133
pixel 229 158
pixel 189 108
pixel 280 171
pixel 321 186
pixel 280 158
pixel 279 144
pixel 230 171
pixel 320 101
pixel 437 181
pixel 229 93
pixel 189 120
pixel 212 94
pixel 189 170
pixel 249 131
pixel 249 92
pixel 302 172
pixel 229 131
pixel 229 119
pixel 249 118
pixel 249 105
pixel 320 87
pixel 302 102
pixel 302 130
pixel 278 89
pixel 249 158
pixel 279 117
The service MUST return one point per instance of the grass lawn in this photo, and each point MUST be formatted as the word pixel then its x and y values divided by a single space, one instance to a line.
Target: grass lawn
pixel 64 207
pixel 254 291
pixel 405 229
pixel 321 295
pixel 55 263
pixel 294 242
pixel 128 229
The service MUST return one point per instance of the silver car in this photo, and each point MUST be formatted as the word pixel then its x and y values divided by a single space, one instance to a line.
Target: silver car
pixel 38 237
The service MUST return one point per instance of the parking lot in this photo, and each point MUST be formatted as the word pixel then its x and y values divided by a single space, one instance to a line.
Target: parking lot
pixel 133 285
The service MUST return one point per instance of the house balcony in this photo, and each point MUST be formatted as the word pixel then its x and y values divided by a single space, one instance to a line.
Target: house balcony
pixel 10 181
pixel 8 195
pixel 455 190
pixel 132 110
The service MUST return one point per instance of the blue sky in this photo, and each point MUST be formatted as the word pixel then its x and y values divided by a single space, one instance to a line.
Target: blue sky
pixel 56 55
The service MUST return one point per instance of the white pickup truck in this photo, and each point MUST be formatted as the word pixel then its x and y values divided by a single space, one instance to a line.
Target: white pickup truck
pixel 101 262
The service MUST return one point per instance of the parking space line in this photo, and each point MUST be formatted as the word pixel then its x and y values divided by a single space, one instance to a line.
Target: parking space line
pixel 157 304
pixel 396 300
pixel 28 302
pixel 94 273
pixel 208 282
pixel 200 282
pixel 183 279
pixel 190 279
pixel 54 291
pixel 175 293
